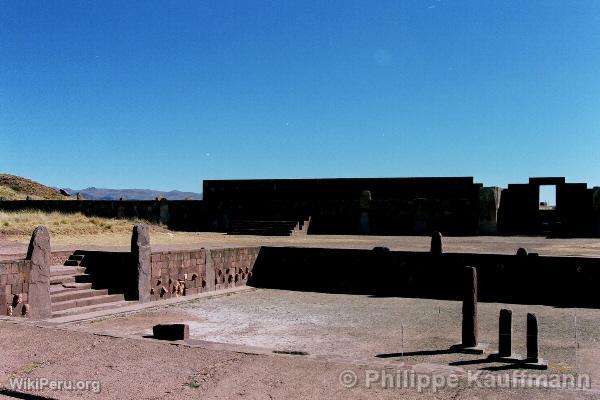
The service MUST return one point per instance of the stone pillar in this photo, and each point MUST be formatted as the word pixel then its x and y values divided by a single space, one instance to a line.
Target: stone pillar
pixel 365 205
pixel 140 250
pixel 505 333
pixel 39 277
pixel 532 338
pixel 163 212
pixel 469 308
pixel 436 244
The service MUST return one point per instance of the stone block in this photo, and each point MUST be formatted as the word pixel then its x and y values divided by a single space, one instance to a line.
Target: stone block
pixel 17 288
pixel 171 331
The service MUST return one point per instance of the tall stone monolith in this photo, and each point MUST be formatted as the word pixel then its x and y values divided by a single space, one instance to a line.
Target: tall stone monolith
pixel 469 308
pixel 141 253
pixel 532 338
pixel 505 333
pixel 39 277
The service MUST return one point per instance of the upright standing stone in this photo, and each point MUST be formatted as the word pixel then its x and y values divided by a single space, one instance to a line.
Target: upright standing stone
pixel 140 250
pixel 469 309
pixel 436 243
pixel 505 333
pixel 163 212
pixel 532 338
pixel 365 205
pixel 39 278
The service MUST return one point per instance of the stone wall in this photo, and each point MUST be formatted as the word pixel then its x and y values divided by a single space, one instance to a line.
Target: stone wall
pixel 14 287
pixel 112 270
pixel 575 214
pixel 396 206
pixel 187 272
pixel 529 279
pixel 596 207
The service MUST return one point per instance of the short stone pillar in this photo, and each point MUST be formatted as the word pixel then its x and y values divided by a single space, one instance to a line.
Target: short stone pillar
pixel 39 277
pixel 532 338
pixel 436 244
pixel 469 308
pixel 505 333
pixel 533 359
pixel 141 252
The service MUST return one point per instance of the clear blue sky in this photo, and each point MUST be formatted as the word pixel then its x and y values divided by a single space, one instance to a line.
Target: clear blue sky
pixel 165 94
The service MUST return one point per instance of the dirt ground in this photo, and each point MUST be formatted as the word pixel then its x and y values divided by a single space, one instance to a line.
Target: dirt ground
pixel 366 329
pixel 15 245
pixel 347 331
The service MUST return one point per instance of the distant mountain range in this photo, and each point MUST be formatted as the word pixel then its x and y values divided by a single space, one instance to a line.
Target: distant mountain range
pixel 93 193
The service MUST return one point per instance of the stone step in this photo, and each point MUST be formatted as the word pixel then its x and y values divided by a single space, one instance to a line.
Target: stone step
pixel 59 270
pixel 86 309
pixel 54 280
pixel 68 287
pixel 261 232
pixel 89 301
pixel 264 223
pixel 72 263
pixel 77 294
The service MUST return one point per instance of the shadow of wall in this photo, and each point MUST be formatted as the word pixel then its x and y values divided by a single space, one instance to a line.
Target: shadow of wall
pixel 556 281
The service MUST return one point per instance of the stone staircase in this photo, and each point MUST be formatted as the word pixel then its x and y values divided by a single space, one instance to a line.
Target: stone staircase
pixel 265 227
pixel 72 292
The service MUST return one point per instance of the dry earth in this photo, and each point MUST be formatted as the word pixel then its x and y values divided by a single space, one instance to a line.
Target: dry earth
pixel 163 240
pixel 146 369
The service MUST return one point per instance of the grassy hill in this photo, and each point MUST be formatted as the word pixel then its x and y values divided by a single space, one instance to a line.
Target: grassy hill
pixel 14 187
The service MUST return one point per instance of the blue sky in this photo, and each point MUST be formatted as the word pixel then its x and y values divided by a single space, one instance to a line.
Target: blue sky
pixel 165 94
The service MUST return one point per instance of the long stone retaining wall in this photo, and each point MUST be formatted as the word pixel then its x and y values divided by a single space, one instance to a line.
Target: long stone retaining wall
pixel 148 276
pixel 528 279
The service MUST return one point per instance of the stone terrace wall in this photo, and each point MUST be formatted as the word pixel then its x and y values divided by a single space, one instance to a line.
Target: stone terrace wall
pixel 14 287
pixel 180 273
